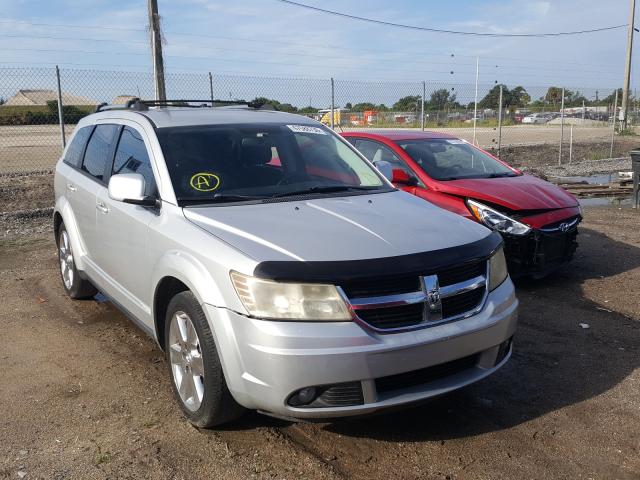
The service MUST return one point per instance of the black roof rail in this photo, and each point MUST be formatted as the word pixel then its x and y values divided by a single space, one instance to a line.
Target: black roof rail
pixel 105 106
pixel 138 104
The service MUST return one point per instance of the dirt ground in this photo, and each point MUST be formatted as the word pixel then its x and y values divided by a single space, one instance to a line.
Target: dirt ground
pixel 84 394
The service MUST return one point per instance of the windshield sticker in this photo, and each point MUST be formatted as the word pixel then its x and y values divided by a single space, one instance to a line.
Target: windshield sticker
pixel 456 142
pixel 306 129
pixel 204 182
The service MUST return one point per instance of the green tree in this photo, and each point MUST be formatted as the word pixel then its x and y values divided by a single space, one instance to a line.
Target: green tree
pixel 3 100
pixel 554 96
pixel 275 104
pixel 442 98
pixel 610 99
pixel 361 107
pixel 410 103
pixel 519 97
pixel 492 98
pixel 308 110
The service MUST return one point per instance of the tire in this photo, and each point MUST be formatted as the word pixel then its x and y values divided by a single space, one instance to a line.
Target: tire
pixel 74 285
pixel 195 370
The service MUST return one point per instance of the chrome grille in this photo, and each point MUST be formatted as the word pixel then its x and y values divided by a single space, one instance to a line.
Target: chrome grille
pixel 460 294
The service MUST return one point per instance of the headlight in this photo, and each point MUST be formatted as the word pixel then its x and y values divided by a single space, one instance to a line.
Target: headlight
pixel 290 301
pixel 497 269
pixel 496 220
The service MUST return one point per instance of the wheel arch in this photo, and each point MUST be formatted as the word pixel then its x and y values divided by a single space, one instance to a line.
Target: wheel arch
pixel 175 272
pixel 63 214
pixel 166 289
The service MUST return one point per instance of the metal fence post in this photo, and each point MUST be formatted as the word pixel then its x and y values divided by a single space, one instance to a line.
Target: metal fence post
pixel 333 104
pixel 561 128
pixel 500 121
pixel 424 94
pixel 613 123
pixel 570 143
pixel 60 116
pixel 211 87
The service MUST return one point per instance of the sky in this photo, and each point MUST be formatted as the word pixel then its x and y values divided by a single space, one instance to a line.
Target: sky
pixel 267 38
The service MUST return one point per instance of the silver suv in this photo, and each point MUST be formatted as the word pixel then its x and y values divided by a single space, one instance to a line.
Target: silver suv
pixel 276 267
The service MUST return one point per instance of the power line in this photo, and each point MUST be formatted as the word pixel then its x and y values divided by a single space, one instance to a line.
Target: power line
pixel 452 64
pixel 451 32
pixel 267 41
pixel 502 71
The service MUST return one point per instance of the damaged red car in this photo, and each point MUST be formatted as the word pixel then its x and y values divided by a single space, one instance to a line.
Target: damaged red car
pixel 538 220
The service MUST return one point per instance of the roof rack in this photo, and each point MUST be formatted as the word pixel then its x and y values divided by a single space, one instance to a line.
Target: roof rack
pixel 138 104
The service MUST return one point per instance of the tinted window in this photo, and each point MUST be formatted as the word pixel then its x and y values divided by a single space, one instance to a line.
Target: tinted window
pixel 98 149
pixel 223 163
pixel 76 148
pixel 451 159
pixel 132 157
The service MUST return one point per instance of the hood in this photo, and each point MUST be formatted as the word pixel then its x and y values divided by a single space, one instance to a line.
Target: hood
pixel 333 229
pixel 524 192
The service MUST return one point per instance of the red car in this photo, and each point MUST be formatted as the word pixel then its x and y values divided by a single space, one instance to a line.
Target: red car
pixel 538 220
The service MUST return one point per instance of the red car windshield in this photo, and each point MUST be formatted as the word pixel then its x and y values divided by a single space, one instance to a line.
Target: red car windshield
pixel 453 159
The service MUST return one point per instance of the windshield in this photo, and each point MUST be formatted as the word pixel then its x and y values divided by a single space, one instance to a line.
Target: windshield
pixel 234 163
pixel 453 159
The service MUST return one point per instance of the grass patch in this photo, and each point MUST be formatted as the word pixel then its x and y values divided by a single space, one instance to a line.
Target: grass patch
pixel 102 457
pixel 627 132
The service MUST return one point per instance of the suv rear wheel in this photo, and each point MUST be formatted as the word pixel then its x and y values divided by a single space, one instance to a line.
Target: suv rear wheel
pixel 75 286
pixel 196 373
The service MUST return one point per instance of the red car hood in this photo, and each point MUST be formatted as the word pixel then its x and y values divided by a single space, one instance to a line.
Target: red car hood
pixel 524 192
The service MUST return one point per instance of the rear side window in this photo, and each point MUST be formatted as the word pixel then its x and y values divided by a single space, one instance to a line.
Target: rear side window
pixel 76 148
pixel 132 157
pixel 98 150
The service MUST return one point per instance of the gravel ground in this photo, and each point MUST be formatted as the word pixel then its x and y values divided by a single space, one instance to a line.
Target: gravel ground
pixel 84 394
pixel 588 167
pixel 587 159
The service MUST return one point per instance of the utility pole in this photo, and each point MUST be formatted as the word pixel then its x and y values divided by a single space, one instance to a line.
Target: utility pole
pixel 156 50
pixel 424 94
pixel 561 128
pixel 500 121
pixel 627 69
pixel 475 102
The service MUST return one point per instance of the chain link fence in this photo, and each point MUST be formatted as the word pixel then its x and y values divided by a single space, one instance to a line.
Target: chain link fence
pixel 31 121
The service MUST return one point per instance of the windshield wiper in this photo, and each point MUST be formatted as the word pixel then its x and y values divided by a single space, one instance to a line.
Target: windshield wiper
pixel 501 175
pixel 323 189
pixel 220 198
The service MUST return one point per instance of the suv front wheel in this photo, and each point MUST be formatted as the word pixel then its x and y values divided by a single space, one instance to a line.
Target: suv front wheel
pixel 196 372
pixel 75 286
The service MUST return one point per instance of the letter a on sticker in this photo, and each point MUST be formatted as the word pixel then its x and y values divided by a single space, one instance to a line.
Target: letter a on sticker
pixel 204 182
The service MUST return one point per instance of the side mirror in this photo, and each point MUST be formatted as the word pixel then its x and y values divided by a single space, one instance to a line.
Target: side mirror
pixel 129 188
pixel 402 177
pixel 385 169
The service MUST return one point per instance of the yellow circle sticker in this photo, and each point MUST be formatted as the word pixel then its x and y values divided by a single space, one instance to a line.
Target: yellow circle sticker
pixel 205 182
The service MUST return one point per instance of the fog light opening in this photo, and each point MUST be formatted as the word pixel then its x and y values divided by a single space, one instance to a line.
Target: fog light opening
pixel 304 396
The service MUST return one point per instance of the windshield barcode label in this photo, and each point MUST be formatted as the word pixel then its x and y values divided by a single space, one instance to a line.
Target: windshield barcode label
pixel 306 129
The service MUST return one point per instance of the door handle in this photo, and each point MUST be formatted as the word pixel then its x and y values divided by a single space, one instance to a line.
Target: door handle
pixel 102 208
pixel 72 187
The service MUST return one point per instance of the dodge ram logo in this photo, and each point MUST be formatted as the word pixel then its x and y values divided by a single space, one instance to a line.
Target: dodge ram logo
pixel 431 287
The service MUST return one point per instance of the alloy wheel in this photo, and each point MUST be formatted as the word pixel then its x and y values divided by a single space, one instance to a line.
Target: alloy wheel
pixel 185 356
pixel 66 260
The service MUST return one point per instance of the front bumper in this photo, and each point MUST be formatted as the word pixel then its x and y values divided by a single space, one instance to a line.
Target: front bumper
pixel 541 252
pixel 265 362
